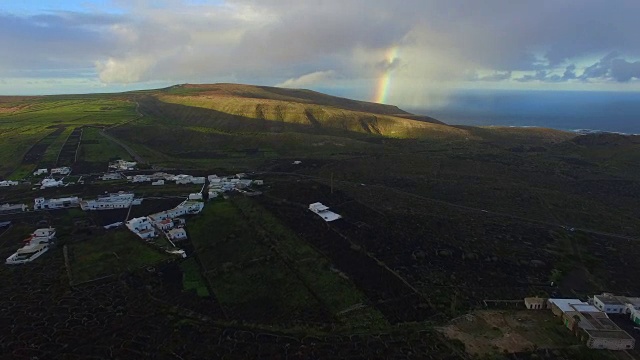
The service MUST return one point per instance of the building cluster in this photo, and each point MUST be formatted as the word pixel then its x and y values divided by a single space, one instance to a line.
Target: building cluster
pixel 111 176
pixel 168 223
pixel 51 183
pixel 238 182
pixel 12 208
pixel 121 165
pixel 119 200
pixel 160 178
pixel 590 320
pixel 324 212
pixel 5 183
pixel 64 170
pixel 34 246
pixel 53 204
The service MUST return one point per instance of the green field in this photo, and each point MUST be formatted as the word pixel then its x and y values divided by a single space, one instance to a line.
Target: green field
pixel 95 148
pixel 32 119
pixel 252 261
pixel 111 253
pixel 192 278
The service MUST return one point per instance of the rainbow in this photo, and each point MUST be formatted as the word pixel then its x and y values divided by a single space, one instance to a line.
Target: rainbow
pixel 382 90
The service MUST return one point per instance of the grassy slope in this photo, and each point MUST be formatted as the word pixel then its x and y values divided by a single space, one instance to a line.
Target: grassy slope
pixel 25 120
pixel 276 114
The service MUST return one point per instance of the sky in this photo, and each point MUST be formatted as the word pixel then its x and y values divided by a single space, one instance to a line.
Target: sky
pixel 412 53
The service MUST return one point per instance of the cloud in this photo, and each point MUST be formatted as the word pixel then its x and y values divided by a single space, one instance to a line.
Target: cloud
pixel 313 78
pixel 438 43
pixel 125 71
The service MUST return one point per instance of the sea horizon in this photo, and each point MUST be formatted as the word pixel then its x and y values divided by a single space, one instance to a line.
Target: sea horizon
pixel 578 111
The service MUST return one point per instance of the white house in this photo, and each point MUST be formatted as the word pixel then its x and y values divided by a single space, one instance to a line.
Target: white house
pixel 323 211
pixel 195 196
pixel 61 203
pixel 40 172
pixel 165 224
pixel 213 194
pixel 50 183
pixel 158 183
pixel 199 180
pixel 140 178
pixel 9 208
pixel 123 165
pixel 61 171
pixel 609 303
pixel 142 227
pixel 258 182
pixel 36 245
pixel 111 176
pixel 177 234
pixel 120 200
pixel 8 183
pixel 612 304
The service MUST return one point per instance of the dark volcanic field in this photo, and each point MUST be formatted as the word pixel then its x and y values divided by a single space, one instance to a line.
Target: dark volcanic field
pixel 146 315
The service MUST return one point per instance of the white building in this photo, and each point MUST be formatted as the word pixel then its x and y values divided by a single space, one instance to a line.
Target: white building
pixel 323 211
pixel 36 245
pixel 40 172
pixel 213 194
pixel 10 208
pixel 142 227
pixel 111 176
pixel 50 183
pixel 120 200
pixel 195 196
pixel 8 183
pixel 177 234
pixel 258 182
pixel 123 165
pixel 158 183
pixel 183 179
pixel 164 225
pixel 50 204
pixel 612 304
pixel 140 178
pixel 61 171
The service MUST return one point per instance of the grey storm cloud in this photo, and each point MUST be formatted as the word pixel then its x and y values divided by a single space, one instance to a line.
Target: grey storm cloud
pixel 274 41
pixel 612 66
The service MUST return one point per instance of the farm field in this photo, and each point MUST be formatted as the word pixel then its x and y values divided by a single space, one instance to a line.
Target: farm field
pixel 111 253
pixel 34 125
pixel 287 280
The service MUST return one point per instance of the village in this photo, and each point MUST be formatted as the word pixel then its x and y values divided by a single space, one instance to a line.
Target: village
pixel 164 227
pixel 167 224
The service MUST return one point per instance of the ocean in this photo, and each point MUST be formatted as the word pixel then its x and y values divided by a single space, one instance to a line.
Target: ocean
pixel 565 110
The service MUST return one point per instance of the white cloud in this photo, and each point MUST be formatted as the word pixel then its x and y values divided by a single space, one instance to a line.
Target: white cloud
pixel 127 71
pixel 274 41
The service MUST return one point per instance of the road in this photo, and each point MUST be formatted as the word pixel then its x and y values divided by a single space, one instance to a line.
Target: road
pixel 131 152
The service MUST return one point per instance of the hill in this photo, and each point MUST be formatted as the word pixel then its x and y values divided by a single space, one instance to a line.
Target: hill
pixel 195 125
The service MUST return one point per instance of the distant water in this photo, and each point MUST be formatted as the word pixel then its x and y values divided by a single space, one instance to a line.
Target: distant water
pixel 565 110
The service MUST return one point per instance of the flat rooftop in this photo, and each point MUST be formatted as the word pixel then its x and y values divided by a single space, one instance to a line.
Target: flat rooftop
pixel 609 300
pixel 565 304
pixel 609 334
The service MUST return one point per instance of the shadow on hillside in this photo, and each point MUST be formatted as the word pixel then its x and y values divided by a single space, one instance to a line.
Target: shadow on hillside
pixel 363 128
